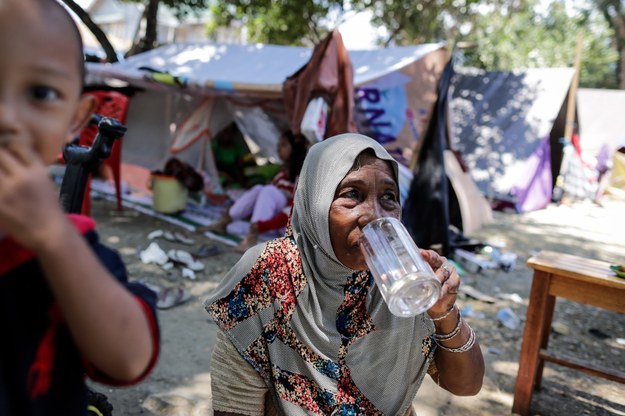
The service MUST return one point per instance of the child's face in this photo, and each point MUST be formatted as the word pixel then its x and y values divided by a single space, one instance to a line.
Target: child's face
pixel 284 149
pixel 40 80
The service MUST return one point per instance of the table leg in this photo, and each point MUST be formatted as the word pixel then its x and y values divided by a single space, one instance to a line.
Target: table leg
pixel 532 340
pixel 549 306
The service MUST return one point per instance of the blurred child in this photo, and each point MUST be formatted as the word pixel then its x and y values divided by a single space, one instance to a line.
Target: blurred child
pixel 66 306
pixel 229 152
pixel 268 206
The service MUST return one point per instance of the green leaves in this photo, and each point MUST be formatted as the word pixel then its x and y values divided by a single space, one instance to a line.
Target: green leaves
pixel 278 22
pixel 545 38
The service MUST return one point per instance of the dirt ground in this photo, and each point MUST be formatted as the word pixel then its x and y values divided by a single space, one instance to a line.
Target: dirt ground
pixel 180 383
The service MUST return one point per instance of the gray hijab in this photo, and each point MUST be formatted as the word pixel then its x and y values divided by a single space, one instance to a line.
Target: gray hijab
pixel 387 362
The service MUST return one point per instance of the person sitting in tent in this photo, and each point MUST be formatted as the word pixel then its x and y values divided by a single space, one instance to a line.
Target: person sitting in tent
pixel 268 205
pixel 229 151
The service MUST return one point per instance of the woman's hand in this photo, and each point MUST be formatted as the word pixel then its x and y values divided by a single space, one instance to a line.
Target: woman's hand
pixel 450 282
pixel 458 358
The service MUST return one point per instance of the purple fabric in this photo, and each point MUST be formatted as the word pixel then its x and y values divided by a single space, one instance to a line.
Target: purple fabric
pixel 533 191
pixel 603 158
pixel 261 202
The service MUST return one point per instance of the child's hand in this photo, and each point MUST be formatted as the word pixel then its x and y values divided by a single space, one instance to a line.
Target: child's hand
pixel 29 208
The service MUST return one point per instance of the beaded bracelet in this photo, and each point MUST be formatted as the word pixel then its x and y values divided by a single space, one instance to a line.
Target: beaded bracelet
pixel 450 335
pixel 440 318
pixel 463 348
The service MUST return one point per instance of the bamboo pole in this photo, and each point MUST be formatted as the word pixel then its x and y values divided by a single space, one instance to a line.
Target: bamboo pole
pixel 570 109
pixel 558 189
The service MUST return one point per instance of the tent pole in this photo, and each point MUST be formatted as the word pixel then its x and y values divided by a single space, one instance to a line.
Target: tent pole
pixel 570 109
pixel 558 188
pixel 412 165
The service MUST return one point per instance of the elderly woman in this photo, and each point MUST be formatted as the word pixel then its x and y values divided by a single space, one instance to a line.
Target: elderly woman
pixel 304 329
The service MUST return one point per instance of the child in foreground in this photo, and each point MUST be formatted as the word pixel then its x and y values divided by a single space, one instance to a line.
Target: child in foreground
pixel 66 307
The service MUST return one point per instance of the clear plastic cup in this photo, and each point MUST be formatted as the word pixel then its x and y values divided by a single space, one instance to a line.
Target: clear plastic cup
pixel 406 280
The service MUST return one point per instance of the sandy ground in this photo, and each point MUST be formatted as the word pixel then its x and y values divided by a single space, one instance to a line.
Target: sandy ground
pixel 180 383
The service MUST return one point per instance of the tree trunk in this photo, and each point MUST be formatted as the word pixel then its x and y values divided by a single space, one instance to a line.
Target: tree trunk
pixel 619 33
pixel 615 16
pixel 111 55
pixel 149 39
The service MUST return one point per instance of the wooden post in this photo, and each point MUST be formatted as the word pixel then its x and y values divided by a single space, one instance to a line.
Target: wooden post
pixel 570 108
pixel 558 188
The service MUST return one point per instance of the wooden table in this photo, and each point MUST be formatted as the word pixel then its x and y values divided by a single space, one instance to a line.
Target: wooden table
pixel 574 278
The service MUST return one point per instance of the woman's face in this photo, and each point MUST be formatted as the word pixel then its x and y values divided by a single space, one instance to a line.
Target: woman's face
pixel 366 193
pixel 284 149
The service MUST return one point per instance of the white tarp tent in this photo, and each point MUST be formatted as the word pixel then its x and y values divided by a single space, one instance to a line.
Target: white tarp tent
pixel 258 69
pixel 500 118
pixel 191 91
pixel 600 119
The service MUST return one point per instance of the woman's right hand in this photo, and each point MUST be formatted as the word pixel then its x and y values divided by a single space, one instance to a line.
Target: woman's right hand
pixel 449 279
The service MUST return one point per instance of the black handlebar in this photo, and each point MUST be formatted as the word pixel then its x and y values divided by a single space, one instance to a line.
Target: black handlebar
pixel 80 161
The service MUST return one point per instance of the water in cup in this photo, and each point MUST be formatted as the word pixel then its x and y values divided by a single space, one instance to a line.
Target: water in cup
pixel 406 281
pixel 412 294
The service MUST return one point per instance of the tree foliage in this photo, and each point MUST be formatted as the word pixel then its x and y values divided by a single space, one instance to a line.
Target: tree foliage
pixel 181 8
pixel 308 21
pixel 530 38
pixel 283 22
pixel 413 22
pixel 614 13
pixel 511 34
pixel 506 34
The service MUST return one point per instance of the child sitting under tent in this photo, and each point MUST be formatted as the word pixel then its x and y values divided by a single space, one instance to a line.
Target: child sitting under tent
pixel 229 151
pixel 267 205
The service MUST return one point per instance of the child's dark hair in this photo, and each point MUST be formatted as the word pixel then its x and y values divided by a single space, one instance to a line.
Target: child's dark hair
pixel 299 148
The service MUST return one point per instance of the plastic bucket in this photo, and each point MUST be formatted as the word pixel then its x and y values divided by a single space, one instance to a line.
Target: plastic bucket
pixel 168 194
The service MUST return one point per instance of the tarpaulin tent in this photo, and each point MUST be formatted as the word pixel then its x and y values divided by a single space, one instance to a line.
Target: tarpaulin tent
pixel 441 192
pixel 194 90
pixel 191 91
pixel 602 133
pixel 499 121
pixel 616 183
pixel 426 212
pixel 600 119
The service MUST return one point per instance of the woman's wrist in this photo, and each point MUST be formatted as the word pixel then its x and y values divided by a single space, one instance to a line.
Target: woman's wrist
pixel 466 344
pixel 454 339
pixel 446 336
pixel 437 318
